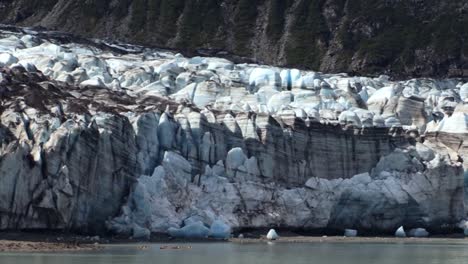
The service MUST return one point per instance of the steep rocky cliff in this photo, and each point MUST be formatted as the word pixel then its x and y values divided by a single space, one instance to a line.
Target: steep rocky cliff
pixel 404 38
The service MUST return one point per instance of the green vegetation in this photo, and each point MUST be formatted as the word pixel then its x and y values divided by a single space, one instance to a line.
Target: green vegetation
pixel 276 18
pixel 169 13
pixel 35 5
pixel 308 30
pixel 121 10
pixel 399 32
pixel 380 34
pixel 28 8
pixel 244 25
pixel 199 24
pixel 447 35
pixel 153 11
pixel 212 20
pixel 190 25
pixel 138 17
pixel 91 12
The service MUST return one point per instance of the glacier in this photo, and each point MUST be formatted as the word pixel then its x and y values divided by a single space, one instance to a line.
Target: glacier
pixel 107 137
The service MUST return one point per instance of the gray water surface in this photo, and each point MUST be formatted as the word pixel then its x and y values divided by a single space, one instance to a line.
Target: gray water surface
pixel 231 253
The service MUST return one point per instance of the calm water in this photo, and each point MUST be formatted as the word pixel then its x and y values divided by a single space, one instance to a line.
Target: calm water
pixel 229 253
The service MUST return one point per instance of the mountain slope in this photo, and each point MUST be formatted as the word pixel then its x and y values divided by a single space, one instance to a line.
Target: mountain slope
pixel 402 38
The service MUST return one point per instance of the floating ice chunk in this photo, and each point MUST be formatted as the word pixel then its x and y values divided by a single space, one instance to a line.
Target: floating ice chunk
pixel 400 232
pixel 350 233
pixel 418 232
pixel 220 230
pixel 463 223
pixel 272 235
pixel 193 230
pixel 140 232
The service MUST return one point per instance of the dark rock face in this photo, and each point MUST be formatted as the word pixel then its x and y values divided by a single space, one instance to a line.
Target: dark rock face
pixel 402 38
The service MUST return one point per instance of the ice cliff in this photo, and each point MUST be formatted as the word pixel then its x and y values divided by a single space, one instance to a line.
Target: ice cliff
pixel 101 136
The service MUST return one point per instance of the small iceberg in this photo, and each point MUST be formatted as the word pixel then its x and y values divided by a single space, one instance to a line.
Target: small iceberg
pixel 193 230
pixel 141 232
pixel 400 232
pixel 418 232
pixel 220 230
pixel 272 235
pixel 350 233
